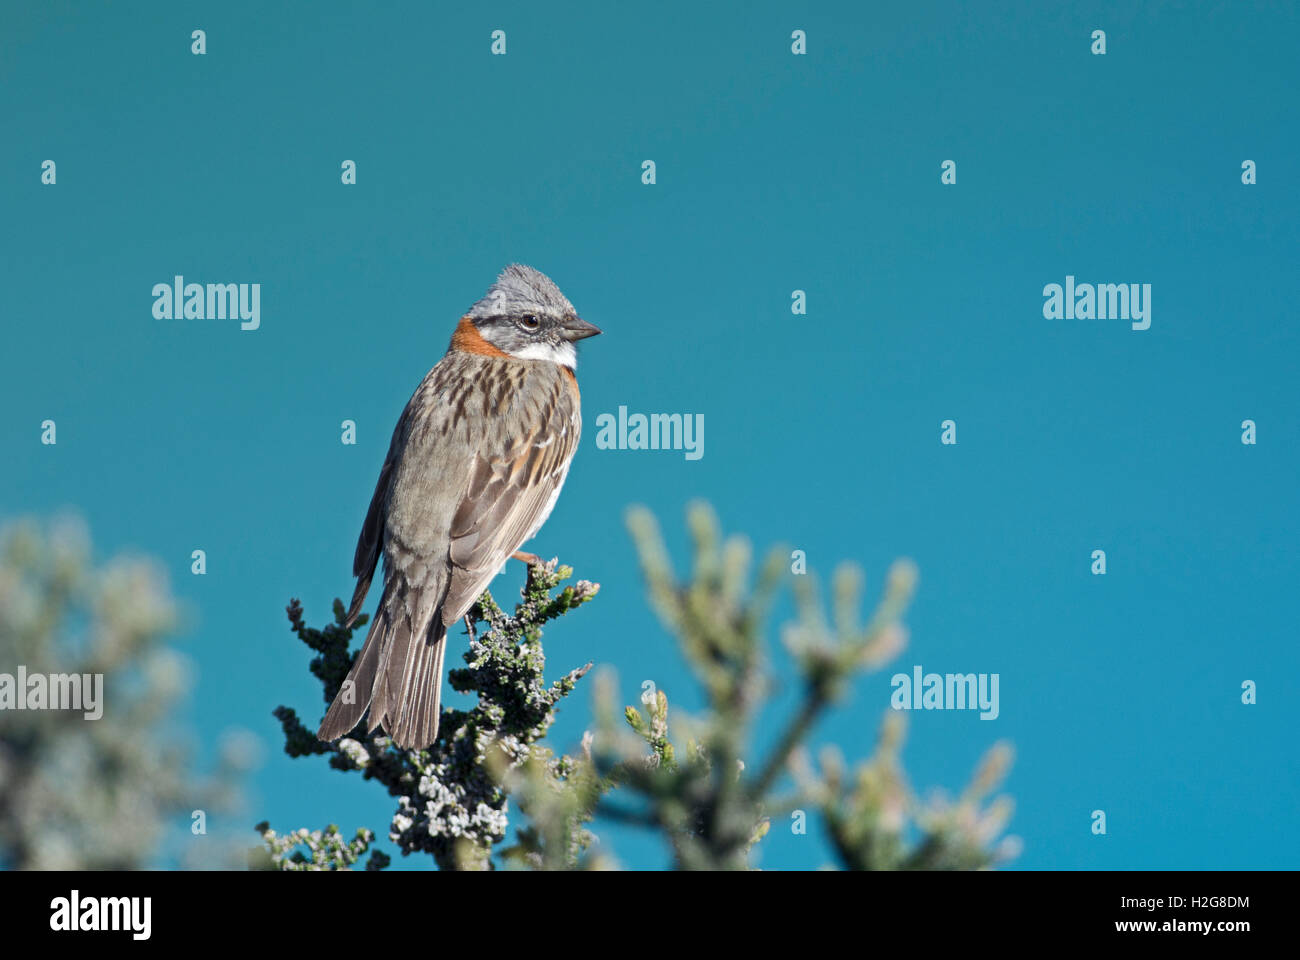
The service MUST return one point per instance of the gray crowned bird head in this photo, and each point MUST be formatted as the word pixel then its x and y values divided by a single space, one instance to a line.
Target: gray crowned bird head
pixel 525 315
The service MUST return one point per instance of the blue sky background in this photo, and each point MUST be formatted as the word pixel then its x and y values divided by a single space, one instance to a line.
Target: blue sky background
pixel 775 173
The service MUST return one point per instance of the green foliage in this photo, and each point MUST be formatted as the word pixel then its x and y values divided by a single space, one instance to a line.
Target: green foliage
pixel 703 795
pixel 314 850
pixel 687 779
pixel 449 803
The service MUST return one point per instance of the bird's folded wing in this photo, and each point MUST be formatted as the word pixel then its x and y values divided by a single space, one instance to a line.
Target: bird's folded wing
pixel 371 539
pixel 510 491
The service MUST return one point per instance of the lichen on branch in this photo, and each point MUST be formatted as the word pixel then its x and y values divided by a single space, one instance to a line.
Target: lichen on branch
pixel 449 803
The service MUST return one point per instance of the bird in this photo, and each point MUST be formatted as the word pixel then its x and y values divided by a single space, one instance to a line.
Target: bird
pixel 475 466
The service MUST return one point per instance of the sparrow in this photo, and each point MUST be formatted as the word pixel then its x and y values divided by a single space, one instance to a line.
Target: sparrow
pixel 475 465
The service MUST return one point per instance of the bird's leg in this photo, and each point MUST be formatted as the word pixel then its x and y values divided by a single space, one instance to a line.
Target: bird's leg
pixel 532 559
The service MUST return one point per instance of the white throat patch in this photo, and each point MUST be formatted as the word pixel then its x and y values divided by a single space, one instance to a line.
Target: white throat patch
pixel 564 354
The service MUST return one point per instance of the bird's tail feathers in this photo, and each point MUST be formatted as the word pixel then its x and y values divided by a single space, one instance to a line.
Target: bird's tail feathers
pixel 398 676
pixel 354 696
pixel 408 688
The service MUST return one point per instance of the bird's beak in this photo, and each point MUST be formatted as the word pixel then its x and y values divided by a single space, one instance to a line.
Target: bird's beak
pixel 575 329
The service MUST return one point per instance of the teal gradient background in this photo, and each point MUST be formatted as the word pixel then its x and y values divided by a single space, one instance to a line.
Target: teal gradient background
pixel 775 173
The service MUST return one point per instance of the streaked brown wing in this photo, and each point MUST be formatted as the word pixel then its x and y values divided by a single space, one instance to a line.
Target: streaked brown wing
pixel 509 493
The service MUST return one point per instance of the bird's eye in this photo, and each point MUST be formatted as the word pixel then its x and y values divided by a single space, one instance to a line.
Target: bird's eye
pixel 530 321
